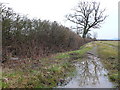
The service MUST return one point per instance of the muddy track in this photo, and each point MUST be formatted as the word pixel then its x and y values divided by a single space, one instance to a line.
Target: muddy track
pixel 90 73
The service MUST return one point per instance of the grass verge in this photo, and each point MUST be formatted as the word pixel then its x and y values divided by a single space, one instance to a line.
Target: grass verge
pixel 109 58
pixel 43 73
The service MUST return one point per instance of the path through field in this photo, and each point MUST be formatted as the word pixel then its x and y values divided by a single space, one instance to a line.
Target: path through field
pixel 86 67
pixel 90 73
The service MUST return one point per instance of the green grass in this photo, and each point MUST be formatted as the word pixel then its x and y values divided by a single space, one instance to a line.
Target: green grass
pixel 62 55
pixel 48 72
pixel 3 84
pixel 81 52
pixel 113 77
pixel 112 43
pixel 109 57
pixel 43 73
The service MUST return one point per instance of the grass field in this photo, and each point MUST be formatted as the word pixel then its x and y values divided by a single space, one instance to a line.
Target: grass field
pixel 108 52
pixel 43 73
pixel 51 71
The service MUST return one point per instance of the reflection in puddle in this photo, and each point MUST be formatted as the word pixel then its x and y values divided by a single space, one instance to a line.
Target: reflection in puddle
pixel 90 74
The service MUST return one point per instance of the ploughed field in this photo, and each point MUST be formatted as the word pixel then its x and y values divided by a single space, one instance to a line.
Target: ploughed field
pixel 96 62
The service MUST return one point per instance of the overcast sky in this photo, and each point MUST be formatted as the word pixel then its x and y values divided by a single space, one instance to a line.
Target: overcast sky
pixel 55 10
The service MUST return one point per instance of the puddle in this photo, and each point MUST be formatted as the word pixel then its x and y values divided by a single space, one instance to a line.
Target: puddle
pixel 90 74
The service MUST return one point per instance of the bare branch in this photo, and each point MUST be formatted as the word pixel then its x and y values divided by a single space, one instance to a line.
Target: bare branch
pixel 87 15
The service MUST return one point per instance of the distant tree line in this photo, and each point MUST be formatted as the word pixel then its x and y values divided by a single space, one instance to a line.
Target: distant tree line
pixel 33 38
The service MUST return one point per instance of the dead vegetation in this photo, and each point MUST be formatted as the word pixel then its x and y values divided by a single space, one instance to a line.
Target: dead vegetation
pixel 41 73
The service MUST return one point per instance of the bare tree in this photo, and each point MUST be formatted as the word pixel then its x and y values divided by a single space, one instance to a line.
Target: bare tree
pixel 87 15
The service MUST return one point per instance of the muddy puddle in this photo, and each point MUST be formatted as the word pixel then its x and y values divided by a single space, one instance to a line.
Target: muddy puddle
pixel 90 74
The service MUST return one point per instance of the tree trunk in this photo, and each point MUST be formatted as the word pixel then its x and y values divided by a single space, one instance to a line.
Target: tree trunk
pixel 84 34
